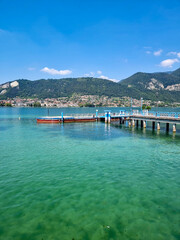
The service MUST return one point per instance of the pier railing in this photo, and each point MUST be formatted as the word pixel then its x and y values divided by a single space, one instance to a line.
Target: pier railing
pixel 124 114
pixel 167 114
pixel 157 114
pixel 83 115
pixel 128 113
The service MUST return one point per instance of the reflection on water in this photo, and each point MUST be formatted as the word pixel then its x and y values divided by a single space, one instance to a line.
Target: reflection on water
pixel 149 132
pixel 96 131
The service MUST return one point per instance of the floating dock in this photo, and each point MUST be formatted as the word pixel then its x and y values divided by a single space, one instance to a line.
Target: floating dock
pixel 104 117
pixel 66 119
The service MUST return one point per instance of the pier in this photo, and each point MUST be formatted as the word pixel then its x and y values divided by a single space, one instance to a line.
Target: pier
pixel 132 118
pixel 156 119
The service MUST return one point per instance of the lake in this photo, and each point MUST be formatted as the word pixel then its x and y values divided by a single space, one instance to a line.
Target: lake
pixel 86 181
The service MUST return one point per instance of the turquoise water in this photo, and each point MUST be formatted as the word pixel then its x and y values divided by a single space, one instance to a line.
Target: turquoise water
pixel 86 180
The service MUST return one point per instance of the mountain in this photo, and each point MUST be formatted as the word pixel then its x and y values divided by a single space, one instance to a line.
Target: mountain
pixel 177 72
pixel 153 81
pixel 53 88
pixel 161 85
pixel 153 86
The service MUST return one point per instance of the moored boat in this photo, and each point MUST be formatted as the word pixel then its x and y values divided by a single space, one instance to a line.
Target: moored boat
pixel 49 120
pixel 66 119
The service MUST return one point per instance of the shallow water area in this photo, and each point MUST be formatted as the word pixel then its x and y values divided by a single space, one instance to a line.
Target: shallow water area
pixel 86 180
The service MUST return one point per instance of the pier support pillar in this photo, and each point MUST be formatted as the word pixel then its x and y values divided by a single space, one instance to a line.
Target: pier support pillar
pixel 121 121
pixel 137 123
pixel 106 117
pixel 96 114
pixel 62 117
pixel 141 123
pixel 167 127
pixel 129 123
pixel 153 125
pixel 174 128
pixel 109 117
pixel 126 123
pixel 133 122
pixel 144 124
pixel 158 125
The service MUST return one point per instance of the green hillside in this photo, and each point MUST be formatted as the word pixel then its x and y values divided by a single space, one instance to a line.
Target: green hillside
pixel 141 79
pixel 162 86
pixel 150 86
pixel 53 88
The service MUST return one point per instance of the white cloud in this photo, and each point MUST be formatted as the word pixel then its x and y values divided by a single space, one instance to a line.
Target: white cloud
pixel 158 53
pixel 148 52
pixel 114 80
pixel 174 53
pixel 91 74
pixel 31 69
pixel 107 78
pixel 103 77
pixel 53 71
pixel 99 72
pixel 87 75
pixel 171 53
pixel 168 63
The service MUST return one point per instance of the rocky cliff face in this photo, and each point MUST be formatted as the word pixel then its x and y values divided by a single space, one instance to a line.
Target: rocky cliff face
pixel 175 87
pixel 167 81
pixel 5 87
pixel 154 84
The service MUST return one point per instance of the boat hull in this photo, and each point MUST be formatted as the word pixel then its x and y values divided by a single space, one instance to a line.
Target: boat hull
pixel 80 120
pixel 65 120
pixel 48 120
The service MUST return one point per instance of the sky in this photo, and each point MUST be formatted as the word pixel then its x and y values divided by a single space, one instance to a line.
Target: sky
pixel 110 39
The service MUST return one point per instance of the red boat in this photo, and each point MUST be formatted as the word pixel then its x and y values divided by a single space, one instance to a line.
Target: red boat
pixel 49 120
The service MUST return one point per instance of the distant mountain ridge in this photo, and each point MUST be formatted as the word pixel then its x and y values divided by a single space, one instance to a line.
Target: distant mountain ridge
pixel 164 86
pixel 163 79
pixel 54 88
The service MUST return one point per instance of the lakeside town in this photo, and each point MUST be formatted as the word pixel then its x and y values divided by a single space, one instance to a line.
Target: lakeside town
pixel 83 101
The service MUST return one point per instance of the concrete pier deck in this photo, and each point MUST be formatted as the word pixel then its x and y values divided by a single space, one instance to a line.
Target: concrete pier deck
pixel 155 118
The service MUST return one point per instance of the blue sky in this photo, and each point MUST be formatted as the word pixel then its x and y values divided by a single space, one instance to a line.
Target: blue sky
pixel 101 38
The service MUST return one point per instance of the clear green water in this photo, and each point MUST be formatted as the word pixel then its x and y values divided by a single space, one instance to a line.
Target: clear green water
pixel 86 180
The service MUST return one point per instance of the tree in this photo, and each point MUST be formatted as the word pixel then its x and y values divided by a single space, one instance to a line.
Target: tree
pixel 37 104
pixel 8 104
pixel 147 107
pixel 2 104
